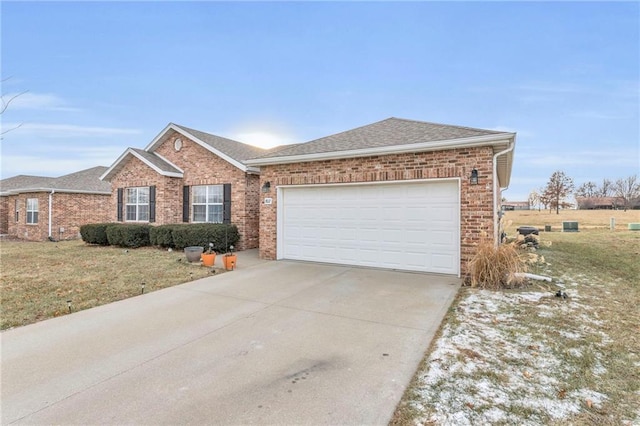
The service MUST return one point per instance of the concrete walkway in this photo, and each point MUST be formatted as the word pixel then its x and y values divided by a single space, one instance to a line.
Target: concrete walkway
pixel 270 343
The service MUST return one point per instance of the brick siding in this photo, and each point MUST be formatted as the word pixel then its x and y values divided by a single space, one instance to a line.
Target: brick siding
pixel 201 167
pixel 69 211
pixel 4 215
pixel 476 201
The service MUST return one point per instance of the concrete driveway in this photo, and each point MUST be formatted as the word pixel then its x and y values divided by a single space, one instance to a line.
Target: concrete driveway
pixel 272 342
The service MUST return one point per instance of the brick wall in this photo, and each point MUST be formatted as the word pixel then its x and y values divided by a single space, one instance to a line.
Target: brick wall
pixel 70 211
pixel 201 167
pixel 4 215
pixel 476 201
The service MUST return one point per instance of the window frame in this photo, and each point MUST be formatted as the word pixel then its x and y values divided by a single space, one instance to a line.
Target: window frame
pixel 137 204
pixel 32 213
pixel 209 205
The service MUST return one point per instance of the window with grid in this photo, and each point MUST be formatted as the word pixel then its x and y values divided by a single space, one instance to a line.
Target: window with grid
pixel 137 204
pixel 32 210
pixel 207 203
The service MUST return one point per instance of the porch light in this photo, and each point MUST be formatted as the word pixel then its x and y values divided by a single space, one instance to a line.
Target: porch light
pixel 473 180
pixel 266 187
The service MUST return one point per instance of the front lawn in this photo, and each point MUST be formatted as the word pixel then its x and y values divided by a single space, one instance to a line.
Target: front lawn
pixel 528 357
pixel 38 278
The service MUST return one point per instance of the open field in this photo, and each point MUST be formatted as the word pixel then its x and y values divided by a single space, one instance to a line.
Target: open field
pixel 587 219
pixel 39 277
pixel 528 357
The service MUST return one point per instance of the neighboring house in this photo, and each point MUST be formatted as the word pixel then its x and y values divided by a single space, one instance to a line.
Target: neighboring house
pixel 188 176
pixel 515 205
pixel 396 194
pixel 37 208
pixel 600 203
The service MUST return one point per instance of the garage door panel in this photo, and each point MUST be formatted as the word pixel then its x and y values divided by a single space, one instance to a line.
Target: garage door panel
pixel 410 226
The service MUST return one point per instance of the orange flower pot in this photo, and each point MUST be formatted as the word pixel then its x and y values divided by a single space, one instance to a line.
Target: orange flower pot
pixel 229 261
pixel 208 259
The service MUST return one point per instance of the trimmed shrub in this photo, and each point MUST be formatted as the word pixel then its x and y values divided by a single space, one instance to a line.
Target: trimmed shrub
pixel 201 234
pixel 496 267
pixel 96 233
pixel 162 235
pixel 131 236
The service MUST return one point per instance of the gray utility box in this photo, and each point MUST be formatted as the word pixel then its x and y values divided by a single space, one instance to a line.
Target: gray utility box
pixel 569 226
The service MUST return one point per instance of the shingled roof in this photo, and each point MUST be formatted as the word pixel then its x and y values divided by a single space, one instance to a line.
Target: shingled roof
pixel 390 132
pixel 395 136
pixel 84 181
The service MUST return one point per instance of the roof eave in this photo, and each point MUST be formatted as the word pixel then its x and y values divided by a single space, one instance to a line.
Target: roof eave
pixel 117 165
pixel 55 190
pixel 476 141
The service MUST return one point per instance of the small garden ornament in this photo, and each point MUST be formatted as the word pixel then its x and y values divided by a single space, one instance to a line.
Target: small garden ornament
pixel 209 257
pixel 229 259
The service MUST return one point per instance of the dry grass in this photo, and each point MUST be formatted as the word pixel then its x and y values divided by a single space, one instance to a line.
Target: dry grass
pixel 39 277
pixel 495 267
pixel 536 358
pixel 587 219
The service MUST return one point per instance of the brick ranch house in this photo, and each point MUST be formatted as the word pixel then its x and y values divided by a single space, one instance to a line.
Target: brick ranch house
pixel 36 208
pixel 188 176
pixel 397 194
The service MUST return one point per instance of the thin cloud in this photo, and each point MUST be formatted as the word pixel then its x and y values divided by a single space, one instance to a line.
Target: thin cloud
pixel 584 158
pixel 39 101
pixel 47 130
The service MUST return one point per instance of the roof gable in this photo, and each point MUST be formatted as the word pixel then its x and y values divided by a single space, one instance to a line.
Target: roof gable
pixel 233 152
pixel 155 161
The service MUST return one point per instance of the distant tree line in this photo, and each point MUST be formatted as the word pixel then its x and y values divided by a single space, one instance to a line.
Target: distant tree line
pixel 625 191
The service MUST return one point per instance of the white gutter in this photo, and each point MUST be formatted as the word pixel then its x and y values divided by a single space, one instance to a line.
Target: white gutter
pixel 496 193
pixel 53 191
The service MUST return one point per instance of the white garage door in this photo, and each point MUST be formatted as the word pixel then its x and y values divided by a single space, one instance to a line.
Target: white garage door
pixel 410 226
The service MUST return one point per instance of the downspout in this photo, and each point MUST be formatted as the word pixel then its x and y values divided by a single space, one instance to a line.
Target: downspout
pixel 496 193
pixel 50 211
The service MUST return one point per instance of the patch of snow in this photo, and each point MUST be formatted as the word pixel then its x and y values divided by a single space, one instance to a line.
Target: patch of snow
pixel 570 335
pixel 575 352
pixel 489 361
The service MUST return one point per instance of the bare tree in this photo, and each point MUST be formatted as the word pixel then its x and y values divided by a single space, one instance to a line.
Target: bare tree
pixel 534 199
pixel 606 189
pixel 558 188
pixel 544 199
pixel 628 189
pixel 587 190
pixel 5 100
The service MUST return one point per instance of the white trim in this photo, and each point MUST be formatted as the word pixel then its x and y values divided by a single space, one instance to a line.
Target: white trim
pixel 168 162
pixel 497 190
pixel 158 139
pixel 280 210
pixel 27 211
pixel 131 151
pixel 280 221
pixel 50 210
pixel 489 140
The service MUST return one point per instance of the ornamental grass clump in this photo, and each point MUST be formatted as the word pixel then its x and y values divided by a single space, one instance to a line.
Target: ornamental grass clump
pixel 496 267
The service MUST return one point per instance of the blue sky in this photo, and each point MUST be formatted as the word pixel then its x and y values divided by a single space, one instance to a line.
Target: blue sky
pixel 105 76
